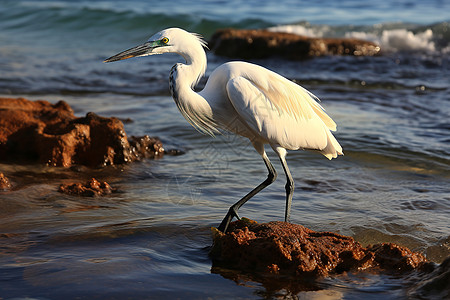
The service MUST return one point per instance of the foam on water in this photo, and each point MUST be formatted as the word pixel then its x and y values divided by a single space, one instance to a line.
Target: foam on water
pixel 390 40
pixel 400 40
pixel 301 30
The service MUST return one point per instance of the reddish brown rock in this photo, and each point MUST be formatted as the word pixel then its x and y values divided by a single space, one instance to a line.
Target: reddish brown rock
pixel 147 147
pixel 247 44
pixel 4 183
pixel 294 250
pixel 91 188
pixel 395 258
pixel 51 134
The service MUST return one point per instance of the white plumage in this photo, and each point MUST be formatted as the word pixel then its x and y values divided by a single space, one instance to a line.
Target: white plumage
pixel 246 99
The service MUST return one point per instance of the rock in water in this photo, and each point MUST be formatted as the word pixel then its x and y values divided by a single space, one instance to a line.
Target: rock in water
pixel 91 188
pixel 248 44
pixel 294 250
pixel 51 134
pixel 5 185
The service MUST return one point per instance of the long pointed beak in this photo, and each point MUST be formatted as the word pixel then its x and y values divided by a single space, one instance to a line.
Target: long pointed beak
pixel 141 50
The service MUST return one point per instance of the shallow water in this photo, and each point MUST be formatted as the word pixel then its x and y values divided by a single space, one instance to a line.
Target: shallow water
pixel 151 238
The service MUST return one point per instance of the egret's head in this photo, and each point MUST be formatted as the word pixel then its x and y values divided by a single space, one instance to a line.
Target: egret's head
pixel 172 40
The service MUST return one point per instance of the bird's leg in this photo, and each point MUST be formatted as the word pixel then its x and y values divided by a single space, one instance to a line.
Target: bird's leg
pixel 232 212
pixel 289 188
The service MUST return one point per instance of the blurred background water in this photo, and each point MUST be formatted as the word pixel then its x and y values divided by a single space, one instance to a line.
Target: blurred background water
pixel 150 240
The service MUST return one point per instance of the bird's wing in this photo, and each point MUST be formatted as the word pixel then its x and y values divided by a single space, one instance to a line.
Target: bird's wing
pixel 282 114
pixel 290 97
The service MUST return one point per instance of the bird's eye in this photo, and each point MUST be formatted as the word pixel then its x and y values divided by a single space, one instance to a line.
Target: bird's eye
pixel 165 40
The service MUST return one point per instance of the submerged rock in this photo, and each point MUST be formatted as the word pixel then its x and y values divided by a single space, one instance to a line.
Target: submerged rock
pixel 241 43
pixel 51 134
pixel 288 249
pixel 5 185
pixel 91 188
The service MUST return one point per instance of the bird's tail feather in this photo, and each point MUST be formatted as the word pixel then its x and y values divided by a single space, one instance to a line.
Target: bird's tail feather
pixel 333 148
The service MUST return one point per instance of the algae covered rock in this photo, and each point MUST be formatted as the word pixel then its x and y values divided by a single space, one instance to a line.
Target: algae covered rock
pixel 289 249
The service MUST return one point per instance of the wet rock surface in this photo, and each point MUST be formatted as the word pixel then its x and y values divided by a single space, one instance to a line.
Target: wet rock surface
pixel 5 184
pixel 248 44
pixel 285 249
pixel 50 133
pixel 91 188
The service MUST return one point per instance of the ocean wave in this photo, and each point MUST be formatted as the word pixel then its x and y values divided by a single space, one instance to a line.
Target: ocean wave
pixel 402 40
pixel 103 18
pixel 391 37
pixel 140 19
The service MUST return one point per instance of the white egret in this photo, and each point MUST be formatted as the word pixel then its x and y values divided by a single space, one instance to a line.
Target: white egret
pixel 247 100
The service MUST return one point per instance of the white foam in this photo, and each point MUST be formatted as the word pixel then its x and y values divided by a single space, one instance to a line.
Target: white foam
pixel 395 40
pixel 300 30
pixel 390 40
pixel 403 40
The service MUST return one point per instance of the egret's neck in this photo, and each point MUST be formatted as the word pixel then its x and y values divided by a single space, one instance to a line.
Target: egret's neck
pixel 182 79
pixel 195 67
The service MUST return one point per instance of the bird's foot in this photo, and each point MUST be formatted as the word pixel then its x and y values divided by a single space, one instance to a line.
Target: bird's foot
pixel 232 212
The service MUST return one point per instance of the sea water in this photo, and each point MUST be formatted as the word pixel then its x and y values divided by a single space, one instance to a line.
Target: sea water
pixel 150 239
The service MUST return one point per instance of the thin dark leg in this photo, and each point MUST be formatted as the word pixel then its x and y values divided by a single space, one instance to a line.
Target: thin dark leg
pixel 289 189
pixel 233 211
